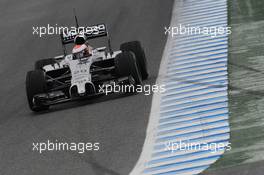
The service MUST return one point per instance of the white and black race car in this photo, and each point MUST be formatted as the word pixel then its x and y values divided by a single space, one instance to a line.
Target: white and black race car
pixel 70 77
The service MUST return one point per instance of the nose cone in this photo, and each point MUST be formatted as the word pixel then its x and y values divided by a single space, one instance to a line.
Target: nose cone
pixel 81 88
pixel 84 88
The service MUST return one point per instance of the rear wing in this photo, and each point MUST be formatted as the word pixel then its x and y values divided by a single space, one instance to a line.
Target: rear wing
pixel 99 30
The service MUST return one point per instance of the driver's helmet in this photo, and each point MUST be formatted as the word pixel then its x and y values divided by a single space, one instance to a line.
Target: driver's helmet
pixel 79 51
pixel 79 48
pixel 80 39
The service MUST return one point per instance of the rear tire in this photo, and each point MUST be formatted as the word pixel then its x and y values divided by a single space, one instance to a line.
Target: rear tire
pixel 35 84
pixel 126 65
pixel 136 48
pixel 44 62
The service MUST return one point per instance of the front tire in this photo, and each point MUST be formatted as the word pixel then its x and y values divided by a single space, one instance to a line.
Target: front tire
pixel 35 84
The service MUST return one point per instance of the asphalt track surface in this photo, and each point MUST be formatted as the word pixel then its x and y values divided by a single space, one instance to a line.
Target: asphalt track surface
pixel 118 124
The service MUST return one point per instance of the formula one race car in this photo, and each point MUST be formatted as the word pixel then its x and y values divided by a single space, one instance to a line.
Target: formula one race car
pixel 71 76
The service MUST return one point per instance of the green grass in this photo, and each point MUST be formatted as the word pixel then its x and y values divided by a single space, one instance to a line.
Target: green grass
pixel 246 83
